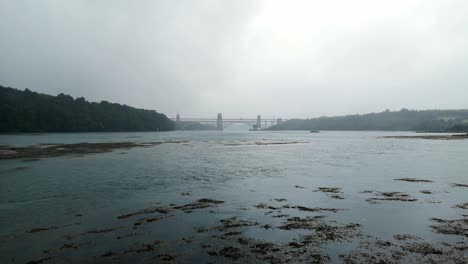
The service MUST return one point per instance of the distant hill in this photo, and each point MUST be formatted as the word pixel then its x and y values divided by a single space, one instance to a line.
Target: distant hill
pixel 28 111
pixel 403 120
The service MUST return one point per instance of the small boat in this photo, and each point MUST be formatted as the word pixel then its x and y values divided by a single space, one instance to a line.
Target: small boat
pixel 314 131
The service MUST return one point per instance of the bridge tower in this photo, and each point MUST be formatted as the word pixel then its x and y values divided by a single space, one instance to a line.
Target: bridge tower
pixel 219 122
pixel 259 122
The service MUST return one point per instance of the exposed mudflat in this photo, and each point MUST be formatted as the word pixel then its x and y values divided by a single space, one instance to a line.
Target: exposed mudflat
pixel 264 143
pixel 329 189
pixel 426 191
pixel 56 150
pixel 390 196
pixel 226 240
pixel 450 226
pixel 412 180
pixel 459 185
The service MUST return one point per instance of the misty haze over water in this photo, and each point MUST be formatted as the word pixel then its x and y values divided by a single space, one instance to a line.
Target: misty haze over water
pixel 293 59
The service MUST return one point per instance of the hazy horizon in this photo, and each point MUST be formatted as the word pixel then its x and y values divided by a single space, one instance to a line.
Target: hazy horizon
pixel 295 59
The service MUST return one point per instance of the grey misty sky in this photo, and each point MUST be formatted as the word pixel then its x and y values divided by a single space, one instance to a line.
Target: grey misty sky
pixel 242 58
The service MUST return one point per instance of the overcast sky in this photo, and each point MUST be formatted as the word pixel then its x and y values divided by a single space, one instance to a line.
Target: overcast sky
pixel 242 58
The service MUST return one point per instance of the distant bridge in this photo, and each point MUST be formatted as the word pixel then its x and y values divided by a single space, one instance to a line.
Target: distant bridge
pixel 219 123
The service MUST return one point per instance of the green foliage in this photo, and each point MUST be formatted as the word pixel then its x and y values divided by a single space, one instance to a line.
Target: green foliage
pixel 403 120
pixel 27 111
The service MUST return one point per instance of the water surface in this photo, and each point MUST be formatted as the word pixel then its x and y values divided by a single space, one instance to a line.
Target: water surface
pixel 78 193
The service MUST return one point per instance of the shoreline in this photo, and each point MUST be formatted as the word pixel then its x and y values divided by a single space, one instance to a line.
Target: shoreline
pixel 59 149
pixel 434 137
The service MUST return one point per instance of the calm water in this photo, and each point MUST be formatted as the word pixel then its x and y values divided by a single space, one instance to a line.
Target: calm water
pixel 224 166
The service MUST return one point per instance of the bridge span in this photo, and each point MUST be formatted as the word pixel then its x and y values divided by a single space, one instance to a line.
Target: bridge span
pixel 219 123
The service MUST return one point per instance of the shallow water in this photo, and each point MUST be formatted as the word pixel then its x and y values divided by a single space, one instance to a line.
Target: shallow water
pixel 227 166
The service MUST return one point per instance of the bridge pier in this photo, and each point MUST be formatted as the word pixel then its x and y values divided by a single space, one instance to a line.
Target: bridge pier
pixel 219 122
pixel 259 122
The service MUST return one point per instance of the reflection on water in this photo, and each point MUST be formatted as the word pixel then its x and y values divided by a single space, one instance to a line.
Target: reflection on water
pixel 237 128
pixel 268 182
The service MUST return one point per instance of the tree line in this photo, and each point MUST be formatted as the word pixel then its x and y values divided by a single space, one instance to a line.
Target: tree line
pixel 403 120
pixel 27 111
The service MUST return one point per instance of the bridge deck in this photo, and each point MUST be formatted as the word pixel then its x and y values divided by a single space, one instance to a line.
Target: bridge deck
pixel 220 123
pixel 224 119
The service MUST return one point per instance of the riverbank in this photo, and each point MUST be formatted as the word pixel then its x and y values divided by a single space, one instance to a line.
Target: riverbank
pixel 435 137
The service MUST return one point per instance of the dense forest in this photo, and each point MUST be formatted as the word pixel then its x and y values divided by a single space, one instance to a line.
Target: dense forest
pixel 28 111
pixel 403 120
